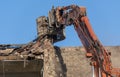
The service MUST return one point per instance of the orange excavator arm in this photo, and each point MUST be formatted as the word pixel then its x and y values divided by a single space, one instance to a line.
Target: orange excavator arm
pixel 75 15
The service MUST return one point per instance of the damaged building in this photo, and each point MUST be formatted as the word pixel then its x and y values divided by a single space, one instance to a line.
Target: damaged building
pixel 28 60
pixel 40 58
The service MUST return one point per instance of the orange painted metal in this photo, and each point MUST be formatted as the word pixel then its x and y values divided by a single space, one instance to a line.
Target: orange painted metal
pixel 86 21
pixel 100 58
pixel 89 55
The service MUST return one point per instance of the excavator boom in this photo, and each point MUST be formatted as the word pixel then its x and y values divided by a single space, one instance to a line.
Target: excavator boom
pixel 75 15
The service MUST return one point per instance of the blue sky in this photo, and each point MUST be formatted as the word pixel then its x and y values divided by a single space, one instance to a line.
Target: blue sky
pixel 18 20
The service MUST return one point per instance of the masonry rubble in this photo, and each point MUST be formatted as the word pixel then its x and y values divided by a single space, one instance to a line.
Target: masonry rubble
pixel 41 48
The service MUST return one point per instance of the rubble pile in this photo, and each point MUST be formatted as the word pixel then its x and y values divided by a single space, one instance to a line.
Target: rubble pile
pixel 32 50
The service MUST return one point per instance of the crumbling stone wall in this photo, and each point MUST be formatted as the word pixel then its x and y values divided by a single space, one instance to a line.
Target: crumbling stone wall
pixel 52 66
pixel 69 61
